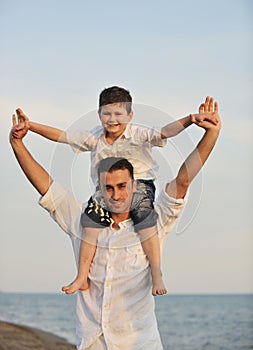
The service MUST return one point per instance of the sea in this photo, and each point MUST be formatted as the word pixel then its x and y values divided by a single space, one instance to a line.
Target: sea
pixel 186 322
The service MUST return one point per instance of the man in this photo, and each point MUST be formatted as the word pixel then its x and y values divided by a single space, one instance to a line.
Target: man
pixel 117 311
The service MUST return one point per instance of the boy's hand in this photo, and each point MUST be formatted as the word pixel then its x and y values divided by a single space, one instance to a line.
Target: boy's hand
pixel 208 116
pixel 20 129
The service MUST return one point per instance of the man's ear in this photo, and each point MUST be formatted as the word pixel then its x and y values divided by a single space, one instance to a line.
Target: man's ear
pixel 134 186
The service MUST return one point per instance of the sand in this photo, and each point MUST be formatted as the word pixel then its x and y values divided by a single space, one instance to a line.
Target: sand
pixel 16 337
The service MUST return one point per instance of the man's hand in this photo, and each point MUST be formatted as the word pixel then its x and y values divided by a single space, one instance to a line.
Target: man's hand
pixel 20 128
pixel 22 117
pixel 208 116
pixel 34 172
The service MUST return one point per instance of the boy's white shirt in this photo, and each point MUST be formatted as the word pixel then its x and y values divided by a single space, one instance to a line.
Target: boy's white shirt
pixel 135 144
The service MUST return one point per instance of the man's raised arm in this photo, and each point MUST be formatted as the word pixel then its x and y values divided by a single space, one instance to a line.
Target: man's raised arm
pixel 194 162
pixel 34 172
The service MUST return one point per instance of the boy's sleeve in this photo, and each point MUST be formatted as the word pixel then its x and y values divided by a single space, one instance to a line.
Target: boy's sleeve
pixel 64 209
pixel 156 138
pixel 149 135
pixel 81 141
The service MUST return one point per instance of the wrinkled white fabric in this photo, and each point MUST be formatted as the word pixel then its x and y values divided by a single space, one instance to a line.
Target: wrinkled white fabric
pixel 118 303
pixel 135 144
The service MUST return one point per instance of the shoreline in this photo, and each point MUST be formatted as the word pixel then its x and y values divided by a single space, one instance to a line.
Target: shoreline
pixel 19 337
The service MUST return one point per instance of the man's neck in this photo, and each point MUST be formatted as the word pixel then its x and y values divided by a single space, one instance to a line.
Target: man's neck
pixel 117 218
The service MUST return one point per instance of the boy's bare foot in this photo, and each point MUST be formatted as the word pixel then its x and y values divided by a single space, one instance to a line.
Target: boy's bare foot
pixel 158 286
pixel 77 284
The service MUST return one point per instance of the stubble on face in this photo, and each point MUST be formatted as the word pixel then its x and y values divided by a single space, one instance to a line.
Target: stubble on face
pixel 117 189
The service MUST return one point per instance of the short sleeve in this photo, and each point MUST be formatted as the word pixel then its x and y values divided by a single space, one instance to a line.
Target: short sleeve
pixel 63 208
pixel 82 141
pixel 149 135
pixel 156 138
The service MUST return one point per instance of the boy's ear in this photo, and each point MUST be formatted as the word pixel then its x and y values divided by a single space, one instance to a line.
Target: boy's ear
pixel 130 116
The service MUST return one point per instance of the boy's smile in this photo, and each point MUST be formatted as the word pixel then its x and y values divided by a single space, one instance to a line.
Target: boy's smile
pixel 114 118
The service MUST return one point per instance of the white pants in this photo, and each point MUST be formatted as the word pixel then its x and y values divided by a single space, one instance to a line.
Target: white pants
pixel 99 344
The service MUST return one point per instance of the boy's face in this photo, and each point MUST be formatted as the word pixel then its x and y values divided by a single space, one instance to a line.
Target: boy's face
pixel 114 118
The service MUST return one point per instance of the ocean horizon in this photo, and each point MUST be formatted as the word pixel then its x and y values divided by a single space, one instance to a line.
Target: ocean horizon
pixel 185 321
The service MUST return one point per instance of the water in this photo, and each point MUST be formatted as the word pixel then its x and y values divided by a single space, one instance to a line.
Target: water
pixel 214 322
pixel 217 322
pixel 53 313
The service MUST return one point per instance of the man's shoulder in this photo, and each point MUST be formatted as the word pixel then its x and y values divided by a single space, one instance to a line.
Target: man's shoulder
pixel 168 210
pixel 57 196
pixel 164 198
pixel 167 206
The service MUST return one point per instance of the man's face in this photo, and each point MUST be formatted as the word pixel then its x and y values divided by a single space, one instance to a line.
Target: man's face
pixel 114 118
pixel 117 189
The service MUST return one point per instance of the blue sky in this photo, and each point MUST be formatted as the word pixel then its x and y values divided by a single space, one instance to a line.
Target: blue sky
pixel 58 55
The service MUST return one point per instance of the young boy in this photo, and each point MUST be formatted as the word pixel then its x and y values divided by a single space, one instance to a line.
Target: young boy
pixel 118 138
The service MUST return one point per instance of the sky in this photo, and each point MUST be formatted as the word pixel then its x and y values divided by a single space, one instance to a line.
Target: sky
pixel 56 57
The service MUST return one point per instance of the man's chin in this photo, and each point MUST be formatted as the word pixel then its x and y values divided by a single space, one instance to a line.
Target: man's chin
pixel 118 210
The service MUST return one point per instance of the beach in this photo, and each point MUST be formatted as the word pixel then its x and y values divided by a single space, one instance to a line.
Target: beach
pixel 16 337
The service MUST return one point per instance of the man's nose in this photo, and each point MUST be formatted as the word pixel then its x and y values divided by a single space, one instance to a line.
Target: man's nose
pixel 116 195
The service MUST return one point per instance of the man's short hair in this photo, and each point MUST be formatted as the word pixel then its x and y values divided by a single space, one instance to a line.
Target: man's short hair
pixel 110 164
pixel 115 94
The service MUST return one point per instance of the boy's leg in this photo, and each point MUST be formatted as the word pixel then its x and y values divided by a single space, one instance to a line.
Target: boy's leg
pixel 93 220
pixel 145 217
pixel 86 254
pixel 151 246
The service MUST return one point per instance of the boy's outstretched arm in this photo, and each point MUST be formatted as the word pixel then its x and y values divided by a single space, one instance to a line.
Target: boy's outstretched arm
pixel 174 128
pixel 195 161
pixel 46 131
pixel 34 172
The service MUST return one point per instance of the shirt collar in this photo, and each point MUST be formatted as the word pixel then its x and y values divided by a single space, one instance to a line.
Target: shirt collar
pixel 123 224
pixel 127 132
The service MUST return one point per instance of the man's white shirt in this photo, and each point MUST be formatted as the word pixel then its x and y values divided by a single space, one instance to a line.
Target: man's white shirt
pixel 119 303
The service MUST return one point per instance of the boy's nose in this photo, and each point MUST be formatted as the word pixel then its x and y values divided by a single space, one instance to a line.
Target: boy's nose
pixel 112 118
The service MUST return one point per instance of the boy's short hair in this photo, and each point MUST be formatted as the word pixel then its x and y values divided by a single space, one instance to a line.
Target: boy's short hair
pixel 110 164
pixel 115 94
